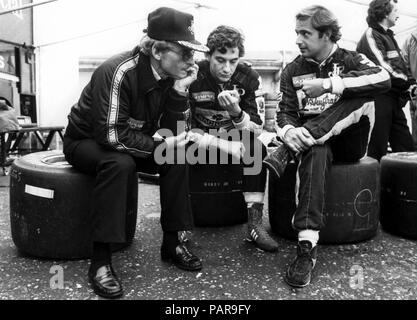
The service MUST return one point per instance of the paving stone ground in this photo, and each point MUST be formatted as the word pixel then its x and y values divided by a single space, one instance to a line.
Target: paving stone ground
pixel 233 268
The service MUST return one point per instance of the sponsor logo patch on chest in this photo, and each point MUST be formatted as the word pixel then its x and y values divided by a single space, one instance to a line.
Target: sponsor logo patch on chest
pixel 204 96
pixel 298 81
pixel 314 106
pixel 336 70
pixel 215 119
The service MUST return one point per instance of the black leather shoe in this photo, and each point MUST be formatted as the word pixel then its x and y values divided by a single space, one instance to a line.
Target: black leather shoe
pixel 182 258
pixel 105 282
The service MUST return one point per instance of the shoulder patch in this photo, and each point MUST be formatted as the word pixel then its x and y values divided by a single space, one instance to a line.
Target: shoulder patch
pixel 392 54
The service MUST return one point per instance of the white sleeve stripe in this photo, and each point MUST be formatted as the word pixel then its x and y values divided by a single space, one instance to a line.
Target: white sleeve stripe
pixel 366 80
pixel 113 114
pixel 400 76
pixel 379 56
pixel 376 51
pixel 114 100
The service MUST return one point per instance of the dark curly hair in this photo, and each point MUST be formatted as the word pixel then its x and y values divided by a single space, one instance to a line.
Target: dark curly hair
pixel 378 10
pixel 323 20
pixel 224 37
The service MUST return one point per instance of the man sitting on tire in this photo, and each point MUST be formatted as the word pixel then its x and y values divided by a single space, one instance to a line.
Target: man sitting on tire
pixel 110 135
pixel 326 114
pixel 223 99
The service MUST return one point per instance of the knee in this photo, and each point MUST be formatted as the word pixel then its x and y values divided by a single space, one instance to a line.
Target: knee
pixel 322 151
pixel 118 163
pixel 318 148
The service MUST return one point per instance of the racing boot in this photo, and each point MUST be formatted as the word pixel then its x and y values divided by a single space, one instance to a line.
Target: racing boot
pixel 256 231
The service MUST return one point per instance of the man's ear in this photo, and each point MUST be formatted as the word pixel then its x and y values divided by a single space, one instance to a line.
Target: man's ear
pixel 156 53
pixel 328 34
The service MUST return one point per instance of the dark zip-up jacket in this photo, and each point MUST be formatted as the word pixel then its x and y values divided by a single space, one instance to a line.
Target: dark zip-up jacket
pixel 352 75
pixel 380 46
pixel 206 110
pixel 121 105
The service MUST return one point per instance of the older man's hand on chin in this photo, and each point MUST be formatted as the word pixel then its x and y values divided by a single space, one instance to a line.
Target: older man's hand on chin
pixel 182 85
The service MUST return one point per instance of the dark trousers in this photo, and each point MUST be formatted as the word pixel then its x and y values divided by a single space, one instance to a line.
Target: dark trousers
pixel 390 126
pixel 343 130
pixel 114 173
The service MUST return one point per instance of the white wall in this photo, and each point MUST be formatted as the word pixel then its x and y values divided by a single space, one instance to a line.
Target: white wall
pixel 267 24
pixel 57 84
pixel 85 78
pixel 57 65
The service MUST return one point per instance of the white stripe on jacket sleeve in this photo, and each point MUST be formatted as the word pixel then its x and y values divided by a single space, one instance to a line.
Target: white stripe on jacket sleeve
pixel 378 54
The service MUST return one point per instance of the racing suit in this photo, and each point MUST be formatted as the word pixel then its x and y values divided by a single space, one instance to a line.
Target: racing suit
pixel 340 121
pixel 207 114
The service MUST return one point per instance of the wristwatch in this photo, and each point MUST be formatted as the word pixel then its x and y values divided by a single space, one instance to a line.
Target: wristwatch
pixel 327 85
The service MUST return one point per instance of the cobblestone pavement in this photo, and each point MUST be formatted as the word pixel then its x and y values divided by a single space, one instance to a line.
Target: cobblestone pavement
pixel 233 268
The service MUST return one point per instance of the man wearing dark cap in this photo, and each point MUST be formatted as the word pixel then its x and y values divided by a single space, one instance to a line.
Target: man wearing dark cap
pixel 112 134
